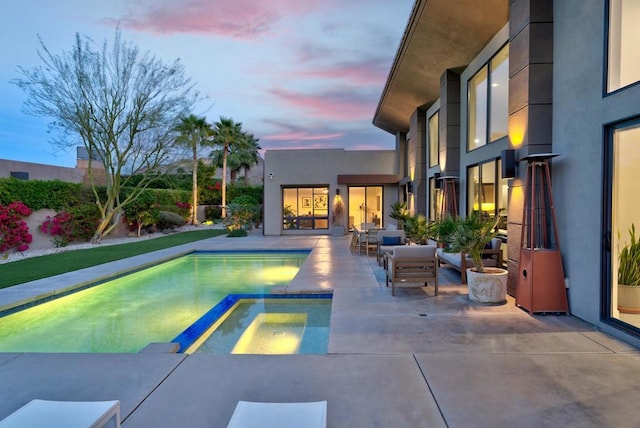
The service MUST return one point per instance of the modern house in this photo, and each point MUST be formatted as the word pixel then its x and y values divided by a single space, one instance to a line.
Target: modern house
pixel 475 83
pixel 301 187
pixel 478 91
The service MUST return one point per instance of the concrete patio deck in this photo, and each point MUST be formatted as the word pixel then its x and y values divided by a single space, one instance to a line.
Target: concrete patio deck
pixel 413 360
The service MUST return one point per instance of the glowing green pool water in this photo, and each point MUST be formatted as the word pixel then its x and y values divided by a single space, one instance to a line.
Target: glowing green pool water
pixel 151 305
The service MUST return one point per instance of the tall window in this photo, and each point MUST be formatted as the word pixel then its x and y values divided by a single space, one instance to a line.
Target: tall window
pixel 488 100
pixel 487 192
pixel 305 208
pixel 625 216
pixel 624 33
pixel 365 206
pixel 434 140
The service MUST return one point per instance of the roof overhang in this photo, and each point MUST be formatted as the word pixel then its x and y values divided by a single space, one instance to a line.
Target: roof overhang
pixel 362 179
pixel 440 35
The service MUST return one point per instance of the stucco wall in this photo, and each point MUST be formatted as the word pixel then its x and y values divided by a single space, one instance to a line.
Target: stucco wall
pixel 39 171
pixel 319 167
pixel 580 116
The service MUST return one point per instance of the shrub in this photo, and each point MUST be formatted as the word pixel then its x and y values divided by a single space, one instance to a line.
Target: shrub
pixel 14 232
pixel 76 224
pixel 237 233
pixel 184 209
pixel 212 212
pixel 245 200
pixel 169 220
pixel 85 221
pixel 60 227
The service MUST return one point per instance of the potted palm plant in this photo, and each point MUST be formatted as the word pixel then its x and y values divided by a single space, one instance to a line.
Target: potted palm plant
pixel 472 235
pixel 399 213
pixel 629 275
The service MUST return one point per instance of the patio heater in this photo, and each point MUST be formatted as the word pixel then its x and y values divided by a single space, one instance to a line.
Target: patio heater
pixel 449 203
pixel 541 286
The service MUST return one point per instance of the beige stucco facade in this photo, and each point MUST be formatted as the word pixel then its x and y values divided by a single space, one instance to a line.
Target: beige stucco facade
pixel 331 168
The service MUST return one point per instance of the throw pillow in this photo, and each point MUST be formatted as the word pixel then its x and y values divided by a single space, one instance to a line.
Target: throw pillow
pixel 391 240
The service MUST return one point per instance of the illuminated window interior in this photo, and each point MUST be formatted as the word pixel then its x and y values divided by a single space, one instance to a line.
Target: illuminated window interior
pixel 365 205
pixel 305 208
pixel 488 101
pixel 625 214
pixel 434 140
pixel 624 33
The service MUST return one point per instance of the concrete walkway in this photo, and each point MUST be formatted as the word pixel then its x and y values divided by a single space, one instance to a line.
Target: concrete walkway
pixel 413 360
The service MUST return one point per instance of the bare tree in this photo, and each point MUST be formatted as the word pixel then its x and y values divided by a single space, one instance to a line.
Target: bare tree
pixel 123 106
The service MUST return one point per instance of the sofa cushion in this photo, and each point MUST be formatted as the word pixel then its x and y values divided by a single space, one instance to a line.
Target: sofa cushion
pixel 391 240
pixel 414 251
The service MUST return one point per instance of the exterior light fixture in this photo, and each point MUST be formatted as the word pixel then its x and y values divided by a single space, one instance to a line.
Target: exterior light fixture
pixel 271 176
pixel 337 192
pixel 509 163
pixel 410 187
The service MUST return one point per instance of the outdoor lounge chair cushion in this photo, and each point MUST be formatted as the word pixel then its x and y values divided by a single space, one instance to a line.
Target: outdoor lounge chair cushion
pixel 279 415
pixel 67 414
pixel 391 240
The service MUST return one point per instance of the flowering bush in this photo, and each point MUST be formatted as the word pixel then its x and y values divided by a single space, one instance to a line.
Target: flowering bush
pixel 60 227
pixel 184 209
pixel 14 232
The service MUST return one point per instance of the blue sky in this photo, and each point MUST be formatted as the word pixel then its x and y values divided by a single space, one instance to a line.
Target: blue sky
pixel 296 73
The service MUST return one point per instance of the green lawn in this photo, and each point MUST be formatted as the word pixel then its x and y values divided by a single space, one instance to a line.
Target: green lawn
pixel 54 264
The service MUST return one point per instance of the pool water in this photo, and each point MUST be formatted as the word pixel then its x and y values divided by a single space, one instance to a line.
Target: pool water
pixel 151 305
pixel 270 326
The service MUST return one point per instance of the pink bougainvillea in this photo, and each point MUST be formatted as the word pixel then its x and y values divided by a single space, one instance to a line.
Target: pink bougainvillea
pixel 14 232
pixel 60 227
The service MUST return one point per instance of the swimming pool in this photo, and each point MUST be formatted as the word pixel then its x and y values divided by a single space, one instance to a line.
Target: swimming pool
pixel 151 305
pixel 262 324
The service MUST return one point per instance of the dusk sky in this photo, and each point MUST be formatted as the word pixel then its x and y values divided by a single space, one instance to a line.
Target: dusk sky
pixel 296 73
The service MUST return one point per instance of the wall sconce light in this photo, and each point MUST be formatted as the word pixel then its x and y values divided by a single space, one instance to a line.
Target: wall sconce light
pixel 271 176
pixel 509 163
pixel 337 192
pixel 409 187
pixel 437 183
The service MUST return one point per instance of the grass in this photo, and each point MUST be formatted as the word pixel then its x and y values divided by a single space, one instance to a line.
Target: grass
pixel 54 264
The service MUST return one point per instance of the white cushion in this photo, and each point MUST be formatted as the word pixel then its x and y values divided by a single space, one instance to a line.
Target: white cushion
pixel 279 415
pixel 64 414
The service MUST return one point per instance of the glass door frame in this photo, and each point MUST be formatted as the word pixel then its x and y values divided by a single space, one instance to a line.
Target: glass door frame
pixel 607 250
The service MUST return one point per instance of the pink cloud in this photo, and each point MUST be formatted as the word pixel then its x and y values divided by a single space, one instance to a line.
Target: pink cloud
pixel 368 72
pixel 244 19
pixel 302 136
pixel 331 105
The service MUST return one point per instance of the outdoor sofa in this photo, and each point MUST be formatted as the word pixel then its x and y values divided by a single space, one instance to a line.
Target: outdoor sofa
pixel 492 257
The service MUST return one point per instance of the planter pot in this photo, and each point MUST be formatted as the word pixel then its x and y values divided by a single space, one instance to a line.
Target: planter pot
pixel 337 231
pixel 629 299
pixel 488 287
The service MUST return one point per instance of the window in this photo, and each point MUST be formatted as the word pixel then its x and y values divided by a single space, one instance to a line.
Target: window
pixel 488 98
pixel 435 198
pixel 624 215
pixel 365 206
pixel 305 208
pixel 434 140
pixel 624 33
pixel 478 110
pixel 487 192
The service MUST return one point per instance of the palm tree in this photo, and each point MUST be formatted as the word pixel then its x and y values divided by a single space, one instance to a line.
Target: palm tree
pixel 245 154
pixel 227 135
pixel 194 132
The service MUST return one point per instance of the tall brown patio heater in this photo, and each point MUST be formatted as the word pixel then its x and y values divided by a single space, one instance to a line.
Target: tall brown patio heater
pixel 540 286
pixel 449 197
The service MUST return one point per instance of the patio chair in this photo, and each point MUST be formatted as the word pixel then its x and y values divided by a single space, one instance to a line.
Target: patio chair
pixel 67 414
pixel 279 415
pixel 361 237
pixel 387 239
pixel 412 264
